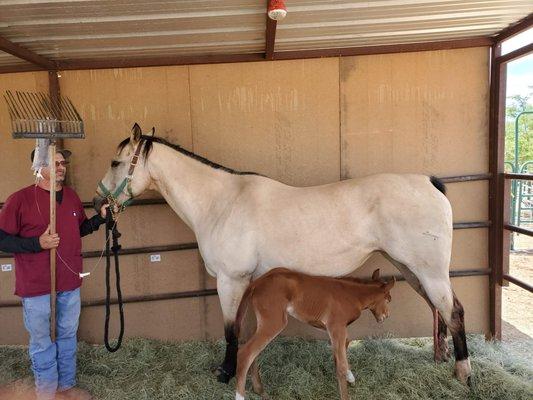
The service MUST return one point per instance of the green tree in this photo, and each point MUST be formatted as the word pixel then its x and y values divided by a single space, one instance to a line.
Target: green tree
pixel 515 105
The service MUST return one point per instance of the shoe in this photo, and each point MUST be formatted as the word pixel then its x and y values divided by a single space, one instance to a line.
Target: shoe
pixel 74 393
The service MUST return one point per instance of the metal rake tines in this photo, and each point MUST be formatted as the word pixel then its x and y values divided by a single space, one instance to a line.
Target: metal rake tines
pixel 38 115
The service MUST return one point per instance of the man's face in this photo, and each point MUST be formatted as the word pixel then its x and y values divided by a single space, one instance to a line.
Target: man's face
pixel 61 170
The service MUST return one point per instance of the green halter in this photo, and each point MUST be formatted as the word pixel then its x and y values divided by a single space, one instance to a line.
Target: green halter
pixel 112 198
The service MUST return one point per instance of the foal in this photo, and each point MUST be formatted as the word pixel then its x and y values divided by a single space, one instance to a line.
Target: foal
pixel 322 302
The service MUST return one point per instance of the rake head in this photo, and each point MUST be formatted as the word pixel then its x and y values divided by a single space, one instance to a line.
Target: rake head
pixel 39 116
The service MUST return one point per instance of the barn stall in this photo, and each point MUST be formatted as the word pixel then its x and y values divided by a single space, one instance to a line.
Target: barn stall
pixel 336 90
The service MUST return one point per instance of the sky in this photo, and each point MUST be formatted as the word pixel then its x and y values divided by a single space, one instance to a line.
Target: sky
pixel 519 72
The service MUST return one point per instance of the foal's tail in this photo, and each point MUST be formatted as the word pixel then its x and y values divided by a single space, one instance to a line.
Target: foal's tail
pixel 243 306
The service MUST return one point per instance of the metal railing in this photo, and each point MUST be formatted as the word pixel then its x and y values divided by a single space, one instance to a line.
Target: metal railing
pixel 212 292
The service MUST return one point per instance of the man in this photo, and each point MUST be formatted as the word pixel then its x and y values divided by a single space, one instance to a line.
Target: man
pixel 25 232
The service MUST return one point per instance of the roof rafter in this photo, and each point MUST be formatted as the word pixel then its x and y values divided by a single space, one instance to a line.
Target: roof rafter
pixel 25 54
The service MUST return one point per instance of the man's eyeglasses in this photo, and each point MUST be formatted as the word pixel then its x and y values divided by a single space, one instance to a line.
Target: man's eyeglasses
pixel 62 163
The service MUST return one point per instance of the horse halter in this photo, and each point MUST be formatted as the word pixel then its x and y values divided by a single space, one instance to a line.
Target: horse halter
pixel 112 197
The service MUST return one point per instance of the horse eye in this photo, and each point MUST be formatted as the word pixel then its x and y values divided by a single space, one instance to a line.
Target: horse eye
pixel 115 164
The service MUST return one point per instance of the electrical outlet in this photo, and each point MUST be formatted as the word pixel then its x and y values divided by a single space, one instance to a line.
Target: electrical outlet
pixel 155 257
pixel 7 267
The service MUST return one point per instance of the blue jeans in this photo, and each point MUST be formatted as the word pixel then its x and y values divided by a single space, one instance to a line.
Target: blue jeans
pixel 53 364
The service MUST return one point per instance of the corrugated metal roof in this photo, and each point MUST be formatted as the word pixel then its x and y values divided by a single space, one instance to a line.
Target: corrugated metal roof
pixel 81 29
pixel 9 60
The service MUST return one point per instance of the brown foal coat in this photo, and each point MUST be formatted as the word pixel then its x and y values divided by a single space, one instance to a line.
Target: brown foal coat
pixel 323 302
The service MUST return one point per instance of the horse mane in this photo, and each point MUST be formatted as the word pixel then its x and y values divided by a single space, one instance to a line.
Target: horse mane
pixel 149 142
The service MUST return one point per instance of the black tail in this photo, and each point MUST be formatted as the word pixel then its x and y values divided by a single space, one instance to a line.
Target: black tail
pixel 438 184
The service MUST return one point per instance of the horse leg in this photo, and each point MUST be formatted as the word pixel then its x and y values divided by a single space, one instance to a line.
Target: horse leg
pixel 349 374
pixel 337 335
pixel 441 352
pixel 230 292
pixel 442 336
pixel 257 384
pixel 440 293
pixel 268 327
pixel 456 324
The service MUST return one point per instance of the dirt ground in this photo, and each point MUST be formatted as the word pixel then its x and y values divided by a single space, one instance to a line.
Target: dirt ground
pixel 517 310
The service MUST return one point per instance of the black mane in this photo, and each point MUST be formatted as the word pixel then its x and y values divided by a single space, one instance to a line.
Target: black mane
pixel 149 142
pixel 439 184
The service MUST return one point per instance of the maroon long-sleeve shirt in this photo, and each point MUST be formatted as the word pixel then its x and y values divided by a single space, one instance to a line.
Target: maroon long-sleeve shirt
pixel 26 213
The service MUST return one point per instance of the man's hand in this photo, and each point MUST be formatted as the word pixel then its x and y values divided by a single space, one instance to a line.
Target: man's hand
pixel 48 241
pixel 103 210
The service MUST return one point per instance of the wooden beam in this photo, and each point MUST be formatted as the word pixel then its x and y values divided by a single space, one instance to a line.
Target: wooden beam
pixel 515 29
pixel 513 55
pixel 25 54
pixel 496 190
pixel 518 282
pixel 12 69
pixel 270 37
pixel 524 177
pixel 53 85
pixel 128 62
pixel 55 95
pixel 517 229
pixel 285 55
pixel 385 49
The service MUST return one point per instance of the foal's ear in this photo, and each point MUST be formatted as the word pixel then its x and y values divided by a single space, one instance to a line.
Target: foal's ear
pixel 152 132
pixel 136 133
pixel 375 275
pixel 388 286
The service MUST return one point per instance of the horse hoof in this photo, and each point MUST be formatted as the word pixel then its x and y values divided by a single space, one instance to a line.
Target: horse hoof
pixel 463 371
pixel 222 376
pixel 350 378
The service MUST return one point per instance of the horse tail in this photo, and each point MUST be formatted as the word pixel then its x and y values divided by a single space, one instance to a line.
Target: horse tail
pixel 439 184
pixel 243 306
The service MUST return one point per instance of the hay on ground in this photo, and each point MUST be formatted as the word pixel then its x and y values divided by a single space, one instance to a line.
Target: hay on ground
pixel 385 369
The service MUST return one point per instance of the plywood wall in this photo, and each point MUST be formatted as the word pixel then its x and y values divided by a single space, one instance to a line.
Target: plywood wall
pixel 15 154
pixel 303 122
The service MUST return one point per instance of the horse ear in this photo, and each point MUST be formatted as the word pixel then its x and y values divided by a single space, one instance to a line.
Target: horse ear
pixel 389 285
pixel 375 275
pixel 152 132
pixel 136 133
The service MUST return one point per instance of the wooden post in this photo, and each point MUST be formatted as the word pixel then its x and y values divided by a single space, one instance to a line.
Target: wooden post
pixel 51 157
pixel 496 189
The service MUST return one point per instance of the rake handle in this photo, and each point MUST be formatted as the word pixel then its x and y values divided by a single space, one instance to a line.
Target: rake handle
pixel 51 158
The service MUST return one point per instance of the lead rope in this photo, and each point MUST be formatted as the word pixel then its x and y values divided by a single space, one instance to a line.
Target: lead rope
pixel 78 274
pixel 112 226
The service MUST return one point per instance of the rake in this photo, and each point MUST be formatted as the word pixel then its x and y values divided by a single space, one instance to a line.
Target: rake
pixel 39 116
pixel 45 118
